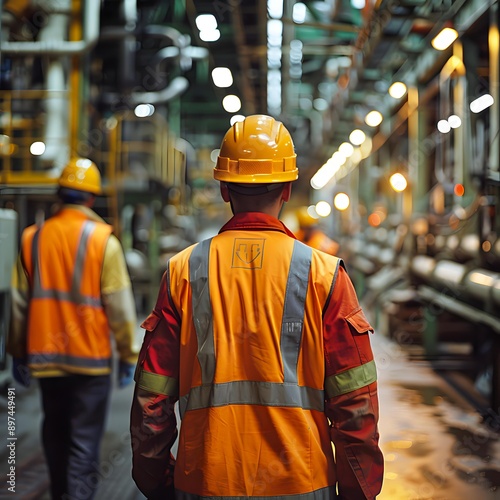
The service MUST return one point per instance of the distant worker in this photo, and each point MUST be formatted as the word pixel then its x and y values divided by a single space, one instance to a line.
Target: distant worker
pixel 71 287
pixel 310 233
pixel 262 341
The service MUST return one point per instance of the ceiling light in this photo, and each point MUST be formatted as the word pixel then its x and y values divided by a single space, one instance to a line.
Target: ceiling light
pixel 341 201
pixel 37 148
pixel 397 90
pixel 444 39
pixel 236 118
pixel 275 8
pixel 398 182
pixel 311 210
pixel 222 77
pixel 346 149
pixel 231 103
pixel 323 208
pixel 481 103
pixel 206 22
pixel 374 118
pixel 210 35
pixel 320 104
pixel 299 13
pixel 358 4
pixel 443 126
pixel 214 155
pixel 321 178
pixel 357 137
pixel 454 121
pixel 144 110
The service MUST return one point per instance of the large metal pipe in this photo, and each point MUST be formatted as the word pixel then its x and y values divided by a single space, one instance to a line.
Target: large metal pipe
pixel 57 47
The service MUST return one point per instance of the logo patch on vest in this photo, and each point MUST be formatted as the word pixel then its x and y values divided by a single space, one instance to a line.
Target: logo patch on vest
pixel 248 253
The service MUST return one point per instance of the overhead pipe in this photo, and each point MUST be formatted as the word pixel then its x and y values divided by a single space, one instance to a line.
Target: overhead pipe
pixel 126 66
pixel 56 47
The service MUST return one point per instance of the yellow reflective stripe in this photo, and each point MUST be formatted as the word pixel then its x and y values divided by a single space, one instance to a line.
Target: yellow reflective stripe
pixel 350 380
pixel 159 384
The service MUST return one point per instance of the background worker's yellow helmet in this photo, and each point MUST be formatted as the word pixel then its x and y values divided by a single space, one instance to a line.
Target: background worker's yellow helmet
pixel 81 174
pixel 257 150
pixel 305 219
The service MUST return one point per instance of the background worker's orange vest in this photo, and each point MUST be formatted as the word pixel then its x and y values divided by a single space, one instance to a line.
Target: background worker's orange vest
pixel 252 367
pixel 67 326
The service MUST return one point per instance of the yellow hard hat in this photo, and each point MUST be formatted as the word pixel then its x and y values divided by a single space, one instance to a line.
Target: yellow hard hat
pixel 305 219
pixel 81 174
pixel 257 150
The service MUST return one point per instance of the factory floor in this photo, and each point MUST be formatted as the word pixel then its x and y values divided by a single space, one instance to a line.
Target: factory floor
pixel 436 446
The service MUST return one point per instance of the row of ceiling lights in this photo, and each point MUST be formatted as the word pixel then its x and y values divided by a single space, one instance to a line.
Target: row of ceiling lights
pixel 346 151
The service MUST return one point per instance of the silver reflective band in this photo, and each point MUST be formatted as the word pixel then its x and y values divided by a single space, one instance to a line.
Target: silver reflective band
pixel 74 294
pixel 49 358
pixel 247 392
pixel 202 309
pixel 293 311
pixel 328 493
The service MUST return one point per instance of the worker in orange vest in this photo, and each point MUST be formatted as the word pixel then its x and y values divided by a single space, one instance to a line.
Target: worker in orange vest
pixel 71 287
pixel 310 233
pixel 261 340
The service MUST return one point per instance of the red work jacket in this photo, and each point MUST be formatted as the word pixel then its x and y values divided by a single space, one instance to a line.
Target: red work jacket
pixel 263 342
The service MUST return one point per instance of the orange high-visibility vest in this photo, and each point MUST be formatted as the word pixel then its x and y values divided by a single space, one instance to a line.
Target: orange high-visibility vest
pixel 251 383
pixel 67 326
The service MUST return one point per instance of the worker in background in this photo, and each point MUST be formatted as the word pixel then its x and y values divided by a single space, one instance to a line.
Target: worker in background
pixel 71 287
pixel 262 341
pixel 310 233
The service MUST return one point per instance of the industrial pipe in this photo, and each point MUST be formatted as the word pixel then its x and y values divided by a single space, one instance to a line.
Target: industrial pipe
pixel 57 47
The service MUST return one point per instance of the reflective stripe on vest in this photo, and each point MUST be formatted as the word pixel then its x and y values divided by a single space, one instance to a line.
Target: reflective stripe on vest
pixel 74 294
pixel 288 393
pixel 328 493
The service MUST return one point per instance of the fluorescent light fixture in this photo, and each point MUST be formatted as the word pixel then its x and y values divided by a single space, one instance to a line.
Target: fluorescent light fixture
pixel 481 103
pixel 210 35
pixel 222 77
pixel 397 90
pixel 37 148
pixel 299 13
pixel 231 103
pixel 206 22
pixel 454 121
pixel 443 126
pixel 357 137
pixel 374 118
pixel 444 39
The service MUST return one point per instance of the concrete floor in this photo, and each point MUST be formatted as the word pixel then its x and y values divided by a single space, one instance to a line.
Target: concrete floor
pixel 435 445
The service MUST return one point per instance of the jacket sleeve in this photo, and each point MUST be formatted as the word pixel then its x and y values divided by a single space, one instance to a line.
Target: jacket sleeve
pixel 351 392
pixel 118 300
pixel 16 342
pixel 153 424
